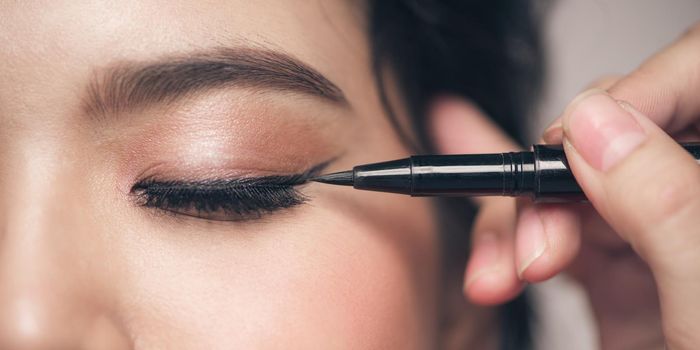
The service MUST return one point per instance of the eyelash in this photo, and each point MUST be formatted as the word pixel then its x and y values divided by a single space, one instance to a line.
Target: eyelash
pixel 224 199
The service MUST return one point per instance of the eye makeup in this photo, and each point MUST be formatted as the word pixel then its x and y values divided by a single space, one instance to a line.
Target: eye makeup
pixel 224 199
pixel 226 155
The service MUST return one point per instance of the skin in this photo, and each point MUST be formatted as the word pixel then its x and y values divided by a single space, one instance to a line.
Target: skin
pixel 636 249
pixel 83 266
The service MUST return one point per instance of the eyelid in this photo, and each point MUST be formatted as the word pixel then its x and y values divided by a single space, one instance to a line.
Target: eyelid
pixel 226 199
pixel 219 202
pixel 235 182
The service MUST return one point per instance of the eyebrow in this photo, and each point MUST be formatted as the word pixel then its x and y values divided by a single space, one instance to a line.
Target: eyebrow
pixel 128 86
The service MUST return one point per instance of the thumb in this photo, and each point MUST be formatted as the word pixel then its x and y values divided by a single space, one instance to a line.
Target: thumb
pixel 648 189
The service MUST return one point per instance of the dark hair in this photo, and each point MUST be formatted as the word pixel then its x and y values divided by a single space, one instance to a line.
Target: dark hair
pixel 486 51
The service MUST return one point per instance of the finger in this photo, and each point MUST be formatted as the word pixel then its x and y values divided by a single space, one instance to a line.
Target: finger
pixel 460 127
pixel 548 237
pixel 490 277
pixel 648 188
pixel 604 82
pixel 665 87
pixel 457 126
pixel 553 133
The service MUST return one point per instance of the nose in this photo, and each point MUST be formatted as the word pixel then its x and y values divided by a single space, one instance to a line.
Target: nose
pixel 52 289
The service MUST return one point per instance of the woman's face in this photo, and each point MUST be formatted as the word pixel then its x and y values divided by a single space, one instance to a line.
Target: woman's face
pixel 125 126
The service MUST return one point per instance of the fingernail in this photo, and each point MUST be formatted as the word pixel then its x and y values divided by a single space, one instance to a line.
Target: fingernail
pixel 531 239
pixel 602 131
pixel 485 257
pixel 554 134
pixel 556 124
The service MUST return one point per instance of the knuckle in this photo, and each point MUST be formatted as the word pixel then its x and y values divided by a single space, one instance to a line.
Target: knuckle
pixel 668 226
pixel 694 30
pixel 675 199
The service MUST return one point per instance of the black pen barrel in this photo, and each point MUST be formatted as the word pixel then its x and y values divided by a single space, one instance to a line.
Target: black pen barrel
pixel 554 181
pixel 472 174
pixel 542 174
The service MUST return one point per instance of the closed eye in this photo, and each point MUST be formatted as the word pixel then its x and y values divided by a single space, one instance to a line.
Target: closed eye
pixel 232 199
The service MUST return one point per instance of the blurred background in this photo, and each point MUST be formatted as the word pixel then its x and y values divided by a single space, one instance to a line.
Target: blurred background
pixel 585 40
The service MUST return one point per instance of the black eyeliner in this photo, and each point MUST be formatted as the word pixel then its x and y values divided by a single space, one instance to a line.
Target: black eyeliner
pixel 229 198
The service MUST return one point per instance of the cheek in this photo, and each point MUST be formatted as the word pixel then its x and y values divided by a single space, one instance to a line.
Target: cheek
pixel 325 280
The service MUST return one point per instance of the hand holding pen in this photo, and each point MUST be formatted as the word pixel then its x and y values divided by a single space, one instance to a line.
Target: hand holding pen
pixel 643 237
pixel 640 238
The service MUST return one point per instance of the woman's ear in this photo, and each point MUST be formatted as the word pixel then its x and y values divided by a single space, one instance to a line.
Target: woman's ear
pixel 457 125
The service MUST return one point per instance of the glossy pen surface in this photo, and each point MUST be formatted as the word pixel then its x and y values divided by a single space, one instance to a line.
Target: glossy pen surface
pixel 542 174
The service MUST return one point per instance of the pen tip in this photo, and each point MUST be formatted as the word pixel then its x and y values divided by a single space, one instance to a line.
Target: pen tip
pixel 344 178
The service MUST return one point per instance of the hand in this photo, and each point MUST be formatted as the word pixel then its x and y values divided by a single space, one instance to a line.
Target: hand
pixel 659 219
pixel 645 206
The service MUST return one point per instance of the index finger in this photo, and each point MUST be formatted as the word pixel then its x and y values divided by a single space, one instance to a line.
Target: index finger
pixel 665 87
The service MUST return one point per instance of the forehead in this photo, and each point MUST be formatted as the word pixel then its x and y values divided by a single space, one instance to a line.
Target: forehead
pixel 69 38
pixel 113 25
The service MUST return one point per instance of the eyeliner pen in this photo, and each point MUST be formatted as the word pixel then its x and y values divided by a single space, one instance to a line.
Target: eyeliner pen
pixel 543 174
